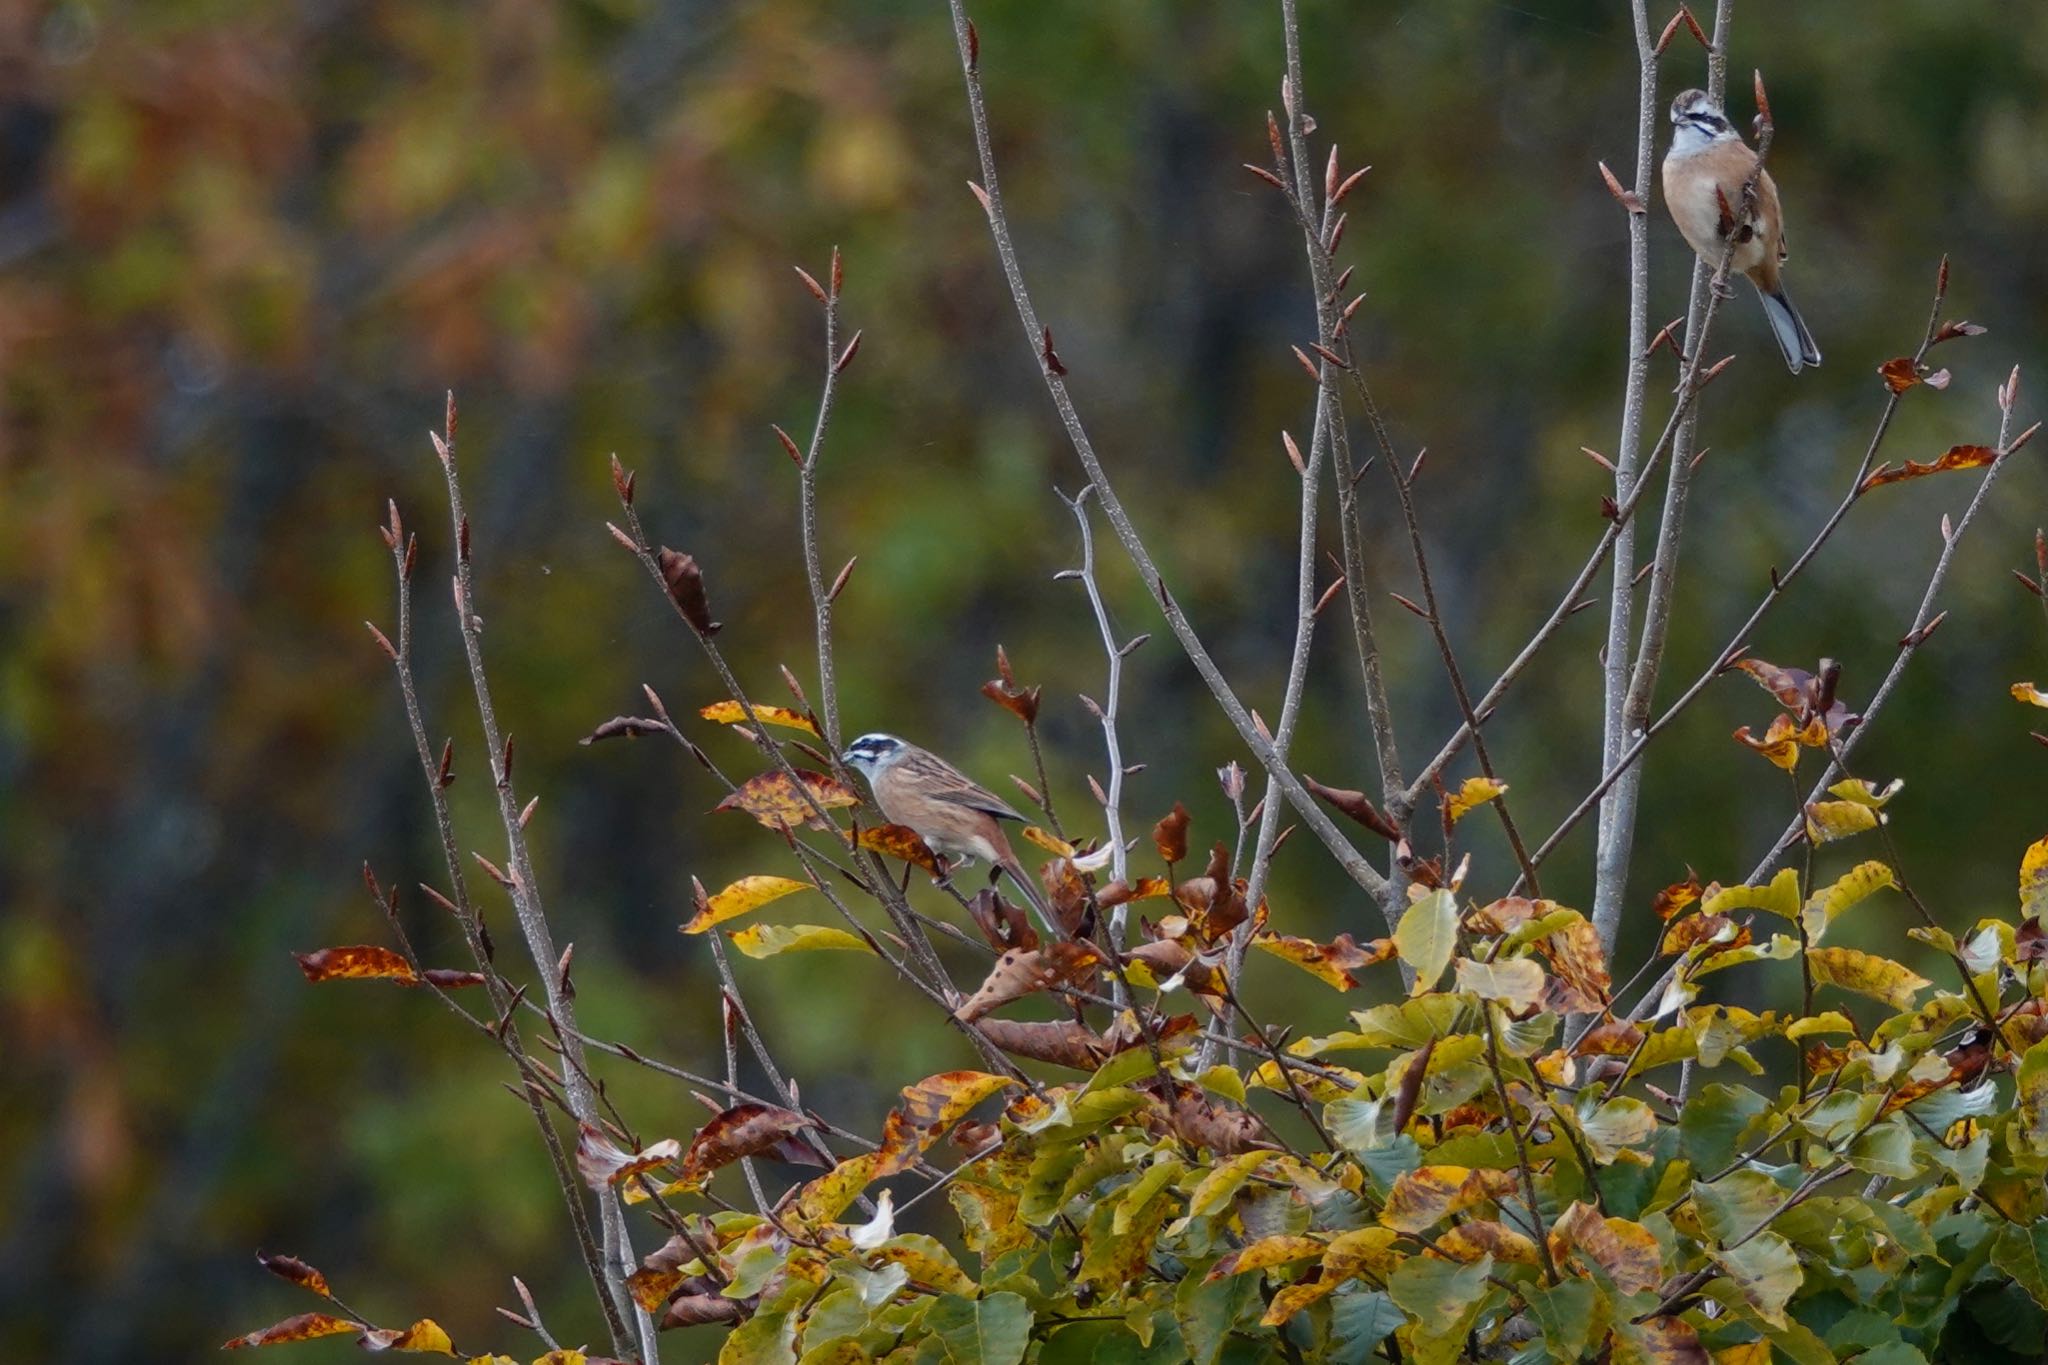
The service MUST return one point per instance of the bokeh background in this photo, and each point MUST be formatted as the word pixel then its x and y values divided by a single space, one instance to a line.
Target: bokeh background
pixel 246 245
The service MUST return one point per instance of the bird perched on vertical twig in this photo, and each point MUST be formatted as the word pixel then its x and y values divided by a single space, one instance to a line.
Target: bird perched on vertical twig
pixel 959 819
pixel 1705 172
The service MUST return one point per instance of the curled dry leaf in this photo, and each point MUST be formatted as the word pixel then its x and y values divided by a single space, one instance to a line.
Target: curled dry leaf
pixel 1899 373
pixel 1122 893
pixel 1170 835
pixel 1021 972
pixel 685 583
pixel 1956 457
pixel 751 1129
pixel 602 1162
pixel 628 726
pixel 360 961
pixel 927 1109
pixel 900 841
pixel 304 1327
pixel 1166 961
pixel 776 801
pixel 2030 694
pixel 1677 896
pixel 1334 963
pixel 743 897
pixel 1355 805
pixel 1004 691
pixel 732 713
pixel 297 1272
pixel 1781 742
pixel 1225 1132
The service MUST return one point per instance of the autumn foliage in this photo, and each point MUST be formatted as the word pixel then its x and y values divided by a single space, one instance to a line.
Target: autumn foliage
pixel 1511 1148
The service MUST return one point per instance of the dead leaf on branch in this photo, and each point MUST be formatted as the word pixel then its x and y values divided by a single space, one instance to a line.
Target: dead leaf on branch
pixel 752 1129
pixel 927 1110
pixel 629 727
pixel 304 1327
pixel 1004 691
pixel 368 962
pixel 685 584
pixel 778 802
pixel 1021 972
pixel 1335 963
pixel 1956 457
pixel 899 841
pixel 732 713
pixel 1170 835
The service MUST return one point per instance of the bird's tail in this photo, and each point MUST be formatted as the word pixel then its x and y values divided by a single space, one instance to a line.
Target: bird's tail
pixel 1789 328
pixel 1017 874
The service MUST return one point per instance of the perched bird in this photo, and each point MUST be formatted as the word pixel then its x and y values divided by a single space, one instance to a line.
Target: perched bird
pixel 956 817
pixel 1704 174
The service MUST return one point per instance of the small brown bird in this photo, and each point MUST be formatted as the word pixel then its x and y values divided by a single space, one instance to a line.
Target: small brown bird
pixel 1704 173
pixel 959 819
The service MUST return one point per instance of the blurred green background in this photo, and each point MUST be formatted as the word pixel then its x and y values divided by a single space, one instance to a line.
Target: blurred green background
pixel 246 245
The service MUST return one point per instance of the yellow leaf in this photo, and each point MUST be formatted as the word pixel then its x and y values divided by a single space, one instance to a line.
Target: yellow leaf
pixel 743 897
pixel 1516 982
pixel 424 1336
pixel 1476 792
pixel 825 1198
pixel 732 713
pixel 1863 794
pixel 766 940
pixel 899 842
pixel 2030 694
pixel 1482 1237
pixel 1427 936
pixel 928 1262
pixel 2034 879
pixel 1293 1298
pixel 1832 1021
pixel 1214 1192
pixel 1850 889
pixel 1781 742
pixel 928 1108
pixel 1955 457
pixel 1047 840
pixel 1827 821
pixel 1362 1251
pixel 1867 974
pixel 1427 1195
pixel 1780 897
pixel 1282 1249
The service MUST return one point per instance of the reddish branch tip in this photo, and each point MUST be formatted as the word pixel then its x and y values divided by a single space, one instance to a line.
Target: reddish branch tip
pixel 838 272
pixel 973 48
pixel 846 356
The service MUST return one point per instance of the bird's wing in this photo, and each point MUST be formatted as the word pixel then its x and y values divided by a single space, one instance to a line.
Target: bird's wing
pixel 947 783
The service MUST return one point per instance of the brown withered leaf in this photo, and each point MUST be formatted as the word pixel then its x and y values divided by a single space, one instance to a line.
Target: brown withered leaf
pixel 1694 930
pixel 627 726
pixel 1579 981
pixel 1677 896
pixel 1021 972
pixel 1170 835
pixel 1899 373
pixel 297 1272
pixel 1335 963
pixel 451 978
pixel 1508 914
pixel 360 961
pixel 1122 893
pixel 685 583
pixel 776 801
pixel 900 841
pixel 927 1109
pixel 1167 958
pixel 304 1327
pixel 1003 923
pixel 1627 1251
pixel 1609 1038
pixel 1955 457
pixel 694 1310
pixel 601 1161
pixel 1004 691
pixel 1225 1132
pixel 1064 1042
pixel 1799 692
pixel 752 1130
pixel 1354 804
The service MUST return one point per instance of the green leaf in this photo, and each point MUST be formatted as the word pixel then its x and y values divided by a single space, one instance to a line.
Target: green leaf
pixel 990 1331
pixel 1619 1123
pixel 1572 1315
pixel 2022 1252
pixel 2030 1127
pixel 1359 1322
pixel 1443 1298
pixel 1426 937
pixel 1208 1312
pixel 1766 1269
pixel 1737 1204
pixel 1885 1150
pixel 1713 1122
